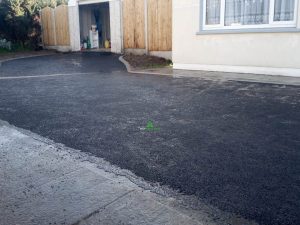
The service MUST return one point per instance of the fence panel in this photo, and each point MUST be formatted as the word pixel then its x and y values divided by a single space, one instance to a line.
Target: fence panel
pixel 62 25
pixel 55 26
pixel 48 26
pixel 134 24
pixel 160 25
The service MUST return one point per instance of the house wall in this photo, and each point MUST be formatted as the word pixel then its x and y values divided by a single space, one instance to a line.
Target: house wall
pixel 262 53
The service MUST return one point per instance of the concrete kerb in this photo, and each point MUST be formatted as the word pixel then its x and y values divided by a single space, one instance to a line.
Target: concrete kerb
pixel 24 57
pixel 206 75
pixel 47 75
pixel 136 71
pixel 218 76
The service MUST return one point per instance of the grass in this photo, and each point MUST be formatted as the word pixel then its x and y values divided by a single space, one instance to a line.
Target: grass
pixel 15 49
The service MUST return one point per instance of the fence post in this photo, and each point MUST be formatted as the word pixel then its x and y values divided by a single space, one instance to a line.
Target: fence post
pixel 54 25
pixel 122 26
pixel 146 26
pixel 42 27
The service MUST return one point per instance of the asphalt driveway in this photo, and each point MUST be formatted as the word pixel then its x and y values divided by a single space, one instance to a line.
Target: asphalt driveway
pixel 235 145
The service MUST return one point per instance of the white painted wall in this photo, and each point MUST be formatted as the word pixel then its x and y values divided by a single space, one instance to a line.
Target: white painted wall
pixel 262 53
pixel 74 26
pixel 116 26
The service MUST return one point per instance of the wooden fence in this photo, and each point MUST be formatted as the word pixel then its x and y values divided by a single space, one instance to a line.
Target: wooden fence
pixel 55 26
pixel 48 27
pixel 147 24
pixel 134 23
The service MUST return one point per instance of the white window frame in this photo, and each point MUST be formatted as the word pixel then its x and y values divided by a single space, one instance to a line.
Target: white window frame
pixel 271 24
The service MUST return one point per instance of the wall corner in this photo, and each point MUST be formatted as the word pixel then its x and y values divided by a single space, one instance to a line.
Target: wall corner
pixel 74 27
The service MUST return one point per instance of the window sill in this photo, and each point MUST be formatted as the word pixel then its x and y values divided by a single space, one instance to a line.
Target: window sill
pixel 249 30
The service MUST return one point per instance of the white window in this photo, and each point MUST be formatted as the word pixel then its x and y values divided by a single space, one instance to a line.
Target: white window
pixel 239 14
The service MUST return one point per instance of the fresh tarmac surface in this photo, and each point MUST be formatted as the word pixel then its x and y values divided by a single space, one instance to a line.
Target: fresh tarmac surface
pixel 234 145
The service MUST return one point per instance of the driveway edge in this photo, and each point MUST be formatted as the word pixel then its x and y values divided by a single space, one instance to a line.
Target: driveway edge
pixel 24 57
pixel 118 197
pixel 218 76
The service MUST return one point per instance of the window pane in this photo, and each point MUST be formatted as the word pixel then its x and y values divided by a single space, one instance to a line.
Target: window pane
pixel 284 10
pixel 213 8
pixel 246 12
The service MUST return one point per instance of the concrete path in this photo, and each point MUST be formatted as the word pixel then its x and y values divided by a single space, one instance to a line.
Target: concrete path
pixel 45 183
pixel 219 76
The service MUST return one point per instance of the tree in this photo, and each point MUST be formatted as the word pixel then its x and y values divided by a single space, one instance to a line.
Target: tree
pixel 14 20
pixel 19 20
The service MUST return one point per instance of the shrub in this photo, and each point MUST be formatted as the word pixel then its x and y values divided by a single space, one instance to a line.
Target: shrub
pixel 20 23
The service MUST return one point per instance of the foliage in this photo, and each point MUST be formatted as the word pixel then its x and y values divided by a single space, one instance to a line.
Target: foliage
pixel 3 50
pixel 19 20
pixel 51 3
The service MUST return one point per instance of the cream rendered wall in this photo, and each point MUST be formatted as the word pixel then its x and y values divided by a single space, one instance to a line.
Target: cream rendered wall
pixel 262 53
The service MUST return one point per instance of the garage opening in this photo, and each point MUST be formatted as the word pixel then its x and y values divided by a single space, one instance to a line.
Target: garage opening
pixel 95 32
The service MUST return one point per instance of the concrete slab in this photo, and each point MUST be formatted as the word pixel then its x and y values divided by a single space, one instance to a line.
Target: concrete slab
pixel 63 201
pixel 42 182
pixel 29 164
pixel 142 208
